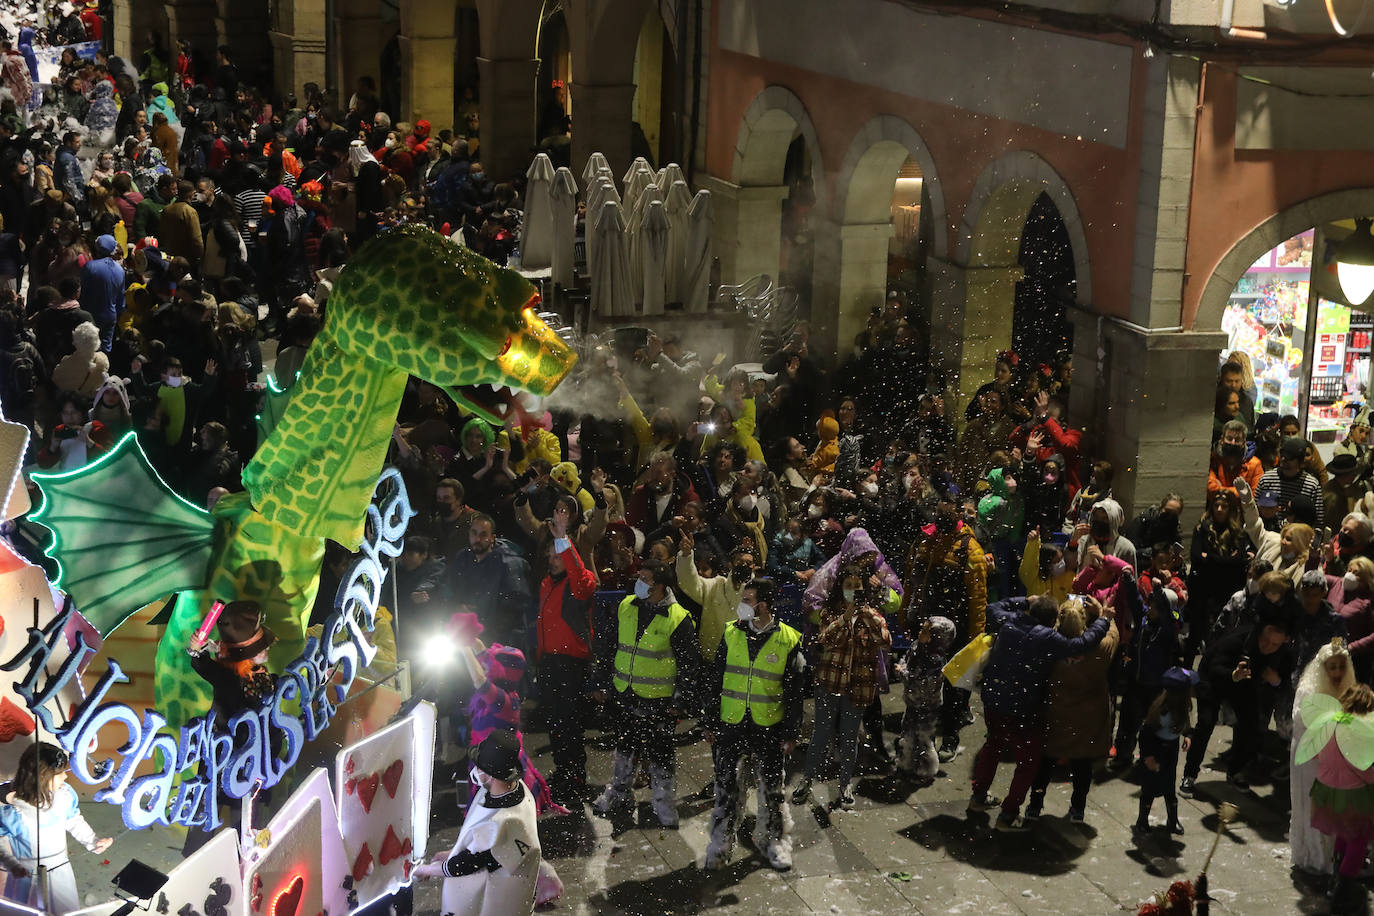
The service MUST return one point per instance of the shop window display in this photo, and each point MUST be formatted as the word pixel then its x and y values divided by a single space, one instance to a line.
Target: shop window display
pixel 1296 337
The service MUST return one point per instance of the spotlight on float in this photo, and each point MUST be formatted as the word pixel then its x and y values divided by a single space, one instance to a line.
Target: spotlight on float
pixel 440 651
pixel 137 884
pixel 1355 263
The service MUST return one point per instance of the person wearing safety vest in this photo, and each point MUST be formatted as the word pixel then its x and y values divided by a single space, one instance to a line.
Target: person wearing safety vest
pixel 759 683
pixel 647 666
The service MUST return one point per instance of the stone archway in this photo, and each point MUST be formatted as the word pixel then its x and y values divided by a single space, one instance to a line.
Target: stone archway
pixel 1285 224
pixel 748 207
pixel 851 271
pixel 988 250
pixel 604 37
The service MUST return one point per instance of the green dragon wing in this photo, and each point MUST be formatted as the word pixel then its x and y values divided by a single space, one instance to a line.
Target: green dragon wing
pixel 274 401
pixel 1318 713
pixel 122 538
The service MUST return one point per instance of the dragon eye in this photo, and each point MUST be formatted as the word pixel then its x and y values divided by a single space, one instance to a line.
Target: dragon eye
pixel 505 348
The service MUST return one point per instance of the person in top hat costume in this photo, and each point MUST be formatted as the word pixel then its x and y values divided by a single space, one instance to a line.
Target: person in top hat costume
pixel 493 868
pixel 234 666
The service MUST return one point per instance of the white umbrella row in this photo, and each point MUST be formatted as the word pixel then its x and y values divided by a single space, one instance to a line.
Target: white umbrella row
pixel 649 247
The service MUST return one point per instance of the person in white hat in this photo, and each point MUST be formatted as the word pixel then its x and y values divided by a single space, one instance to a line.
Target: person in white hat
pixel 493 868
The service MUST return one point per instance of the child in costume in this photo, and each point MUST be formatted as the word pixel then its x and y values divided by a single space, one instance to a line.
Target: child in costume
pixel 496 707
pixel 1331 673
pixel 925 677
pixel 822 460
pixel 37 811
pixel 1162 734
pixel 1340 736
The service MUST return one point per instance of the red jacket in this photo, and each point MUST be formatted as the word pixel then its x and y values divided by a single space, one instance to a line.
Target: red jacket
pixel 565 609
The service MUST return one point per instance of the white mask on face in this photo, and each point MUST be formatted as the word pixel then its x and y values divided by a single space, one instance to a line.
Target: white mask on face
pixel 813 511
pixel 1059 568
pixel 1351 582
pixel 641 589
pixel 748 502
pixel 849 594
pixel 870 488
pixel 744 612
pixel 478 778
pixel 174 381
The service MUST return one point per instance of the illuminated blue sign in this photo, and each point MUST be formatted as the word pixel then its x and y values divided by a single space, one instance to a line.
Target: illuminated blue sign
pixel 230 756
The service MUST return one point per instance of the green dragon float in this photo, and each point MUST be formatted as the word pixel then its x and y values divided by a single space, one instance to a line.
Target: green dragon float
pixel 410 302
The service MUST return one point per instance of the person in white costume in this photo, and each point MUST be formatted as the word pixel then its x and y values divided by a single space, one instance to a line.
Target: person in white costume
pixel 37 811
pixel 492 869
pixel 1332 673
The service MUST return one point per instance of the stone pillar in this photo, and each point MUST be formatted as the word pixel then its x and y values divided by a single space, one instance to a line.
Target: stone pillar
pixel 359 37
pixel 1153 392
pixel 298 43
pixel 947 296
pixel 193 20
pixel 989 294
pixel 240 24
pixel 133 20
pixel 862 276
pixel 509 107
pixel 427 47
pixel 601 123
pixel 748 228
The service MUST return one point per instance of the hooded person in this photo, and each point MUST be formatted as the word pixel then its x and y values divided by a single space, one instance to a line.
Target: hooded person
pixel 564 473
pixel 1002 518
pixel 111 406
pixel 1103 529
pixel 538 439
pixel 858 545
pixel 493 868
pixel 101 116
pixel 822 460
pixel 1356 443
pixel 923 696
pixel 162 103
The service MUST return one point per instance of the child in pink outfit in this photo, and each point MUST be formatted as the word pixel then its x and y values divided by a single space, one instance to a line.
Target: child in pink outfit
pixel 1101 577
pixel 1343 796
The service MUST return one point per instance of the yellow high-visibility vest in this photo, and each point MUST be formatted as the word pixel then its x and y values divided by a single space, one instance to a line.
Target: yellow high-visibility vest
pixel 755 684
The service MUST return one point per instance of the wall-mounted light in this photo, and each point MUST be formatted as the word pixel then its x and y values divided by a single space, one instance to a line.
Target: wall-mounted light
pixel 1355 263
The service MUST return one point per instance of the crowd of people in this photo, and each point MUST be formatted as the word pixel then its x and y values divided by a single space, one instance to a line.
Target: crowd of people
pixel 677 540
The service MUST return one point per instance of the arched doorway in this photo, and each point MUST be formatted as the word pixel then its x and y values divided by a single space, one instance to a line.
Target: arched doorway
pixel 1040 328
pixel 655 115
pixel 555 74
pixel 892 219
pixel 1005 227
pixel 771 195
pixel 1308 350
pixel 467 48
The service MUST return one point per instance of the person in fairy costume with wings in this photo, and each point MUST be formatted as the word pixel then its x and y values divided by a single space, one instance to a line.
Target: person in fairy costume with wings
pixel 1340 735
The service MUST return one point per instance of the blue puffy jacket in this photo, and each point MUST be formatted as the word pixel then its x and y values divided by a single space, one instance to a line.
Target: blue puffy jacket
pixel 1016 679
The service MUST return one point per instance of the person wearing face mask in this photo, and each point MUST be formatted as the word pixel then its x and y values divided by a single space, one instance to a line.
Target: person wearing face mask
pixel 852 636
pixel 754 707
pixel 1044 571
pixel 1045 490
pixel 1352 596
pixel 1157 524
pixel 1101 530
pixel 648 663
pixel 1355 539
pixel 743 521
pixel 718 595
pixel 1229 460
pixel 1221 551
pixel 1342 492
pixel 493 868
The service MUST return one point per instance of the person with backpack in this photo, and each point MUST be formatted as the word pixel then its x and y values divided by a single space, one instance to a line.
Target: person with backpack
pixel 946 574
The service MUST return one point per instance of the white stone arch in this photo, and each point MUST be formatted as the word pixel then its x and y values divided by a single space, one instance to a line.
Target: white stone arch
pixel 1280 227
pixel 863 186
pixel 767 130
pixel 990 231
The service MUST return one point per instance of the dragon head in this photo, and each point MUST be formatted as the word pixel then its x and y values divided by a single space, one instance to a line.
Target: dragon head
pixel 483 345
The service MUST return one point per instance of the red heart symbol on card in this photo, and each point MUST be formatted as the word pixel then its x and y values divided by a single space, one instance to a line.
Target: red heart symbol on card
pixel 363 864
pixel 348 766
pixel 391 777
pixel 367 790
pixel 255 902
pixel 350 785
pixel 391 847
pixel 288 900
pixel 407 848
